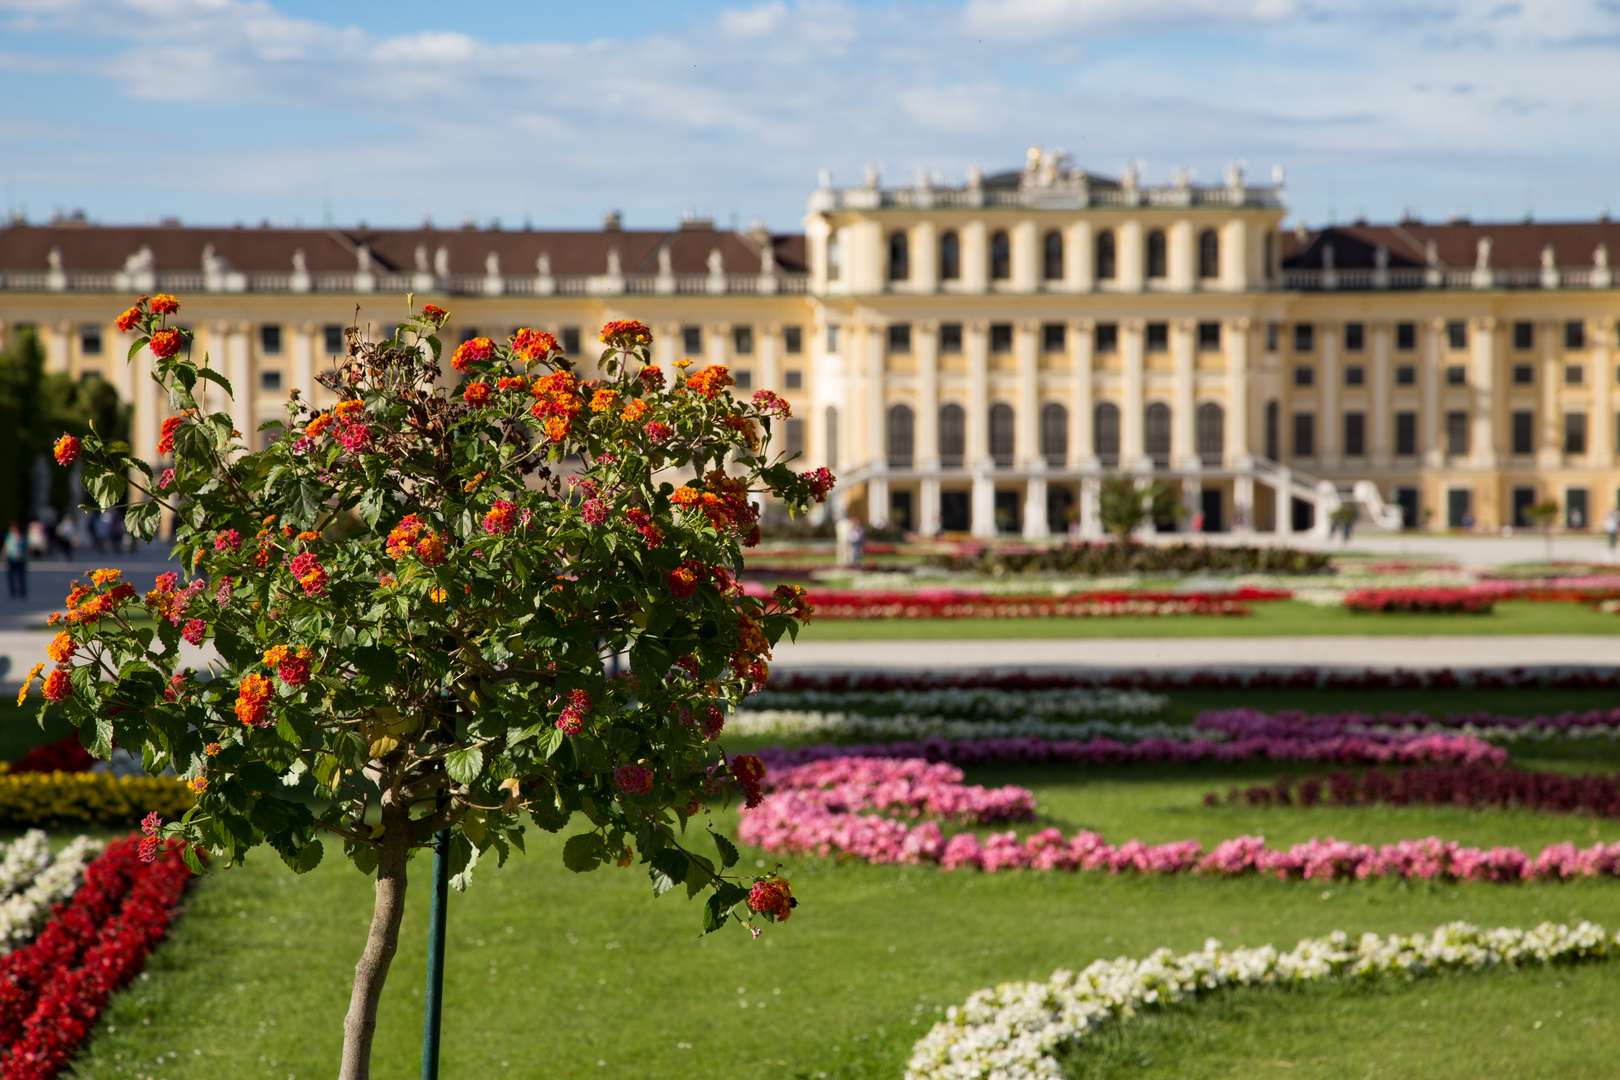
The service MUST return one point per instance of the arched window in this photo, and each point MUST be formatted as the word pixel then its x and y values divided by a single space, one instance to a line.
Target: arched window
pixel 1209 254
pixel 1105 433
pixel 1105 255
pixel 1052 256
pixel 1001 435
pixel 1156 434
pixel 1209 425
pixel 950 257
pixel 952 436
pixel 835 258
pixel 1156 262
pixel 901 432
pixel 832 436
pixel 1055 434
pixel 899 257
pixel 1000 256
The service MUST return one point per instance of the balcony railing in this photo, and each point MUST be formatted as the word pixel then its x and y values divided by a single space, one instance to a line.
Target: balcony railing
pixel 196 281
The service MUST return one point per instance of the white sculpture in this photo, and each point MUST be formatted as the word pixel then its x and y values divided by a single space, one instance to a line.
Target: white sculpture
pixel 613 263
pixel 717 264
pixel 421 259
pixel 492 265
pixel 1482 254
pixel 441 262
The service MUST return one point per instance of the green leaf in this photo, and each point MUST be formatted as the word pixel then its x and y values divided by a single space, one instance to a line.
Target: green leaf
pixel 550 740
pixel 715 913
pixel 375 665
pixel 583 853
pixel 668 870
pixel 728 850
pixel 463 857
pixel 364 856
pixel 464 765
pixel 142 518
pixel 189 854
pixel 371 505
pixel 210 375
pixel 310 502
pixel 309 857
pixel 327 770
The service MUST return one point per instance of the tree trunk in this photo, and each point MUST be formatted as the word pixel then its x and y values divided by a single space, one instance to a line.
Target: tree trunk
pixel 360 1025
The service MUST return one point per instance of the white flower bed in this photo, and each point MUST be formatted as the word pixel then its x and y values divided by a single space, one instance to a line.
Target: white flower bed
pixel 1012 1031
pixel 1069 705
pixel 33 883
pixel 790 724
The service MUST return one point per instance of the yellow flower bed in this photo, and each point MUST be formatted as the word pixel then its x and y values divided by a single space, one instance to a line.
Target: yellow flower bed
pixel 51 800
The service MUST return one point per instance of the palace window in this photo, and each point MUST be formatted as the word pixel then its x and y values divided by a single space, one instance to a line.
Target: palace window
pixel 1355 337
pixel 1106 268
pixel 900 337
pixel 1406 375
pixel 1105 433
pixel 1355 434
pixel 1209 337
pixel 1001 337
pixel 950 337
pixel 1575 433
pixel 1456 334
pixel 1052 256
pixel 952 436
pixel 1456 375
pixel 950 257
pixel 1355 375
pixel 1524 431
pixel 1000 256
pixel 270 339
pixel 792 340
pixel 793 379
pixel 1209 432
pixel 90 339
pixel 1156 434
pixel 1271 337
pixel 1209 254
pixel 1158 337
pixel 1107 337
pixel 333 339
pixel 691 340
pixel 742 340
pixel 1304 434
pixel 1406 336
pixel 899 257
pixel 1304 337
pixel 901 436
pixel 1457 433
pixel 1273 438
pixel 570 340
pixel 270 380
pixel 1157 261
pixel 1574 334
pixel 1054 337
pixel 1524 335
pixel 795 437
pixel 1002 435
pixel 1406 434
pixel 1304 375
pixel 744 378
pixel 1055 434
pixel 1524 374
pixel 1574 374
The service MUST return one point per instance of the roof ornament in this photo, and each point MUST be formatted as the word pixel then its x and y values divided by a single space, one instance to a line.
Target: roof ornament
pixel 1278 175
pixel 365 279
pixel 300 280
pixel 1234 175
pixel 1549 268
pixel 1483 278
pixel 56 279
pixel 665 283
pixel 1182 178
pixel 421 259
pixel 1602 276
pixel 422 280
pixel 1431 252
pixel 494 284
pixel 614 269
pixel 872 177
pixel 544 283
pixel 1380 267
pixel 717 271
pixel 139 273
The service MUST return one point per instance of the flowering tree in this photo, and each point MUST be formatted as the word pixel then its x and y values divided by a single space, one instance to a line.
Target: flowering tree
pixel 412 595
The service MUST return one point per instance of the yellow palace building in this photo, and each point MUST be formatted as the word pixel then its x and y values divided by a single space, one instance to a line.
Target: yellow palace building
pixel 976 358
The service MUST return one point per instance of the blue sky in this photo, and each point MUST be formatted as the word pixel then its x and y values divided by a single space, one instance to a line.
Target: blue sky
pixel 240 110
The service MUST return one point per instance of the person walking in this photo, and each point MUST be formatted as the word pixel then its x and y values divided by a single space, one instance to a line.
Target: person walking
pixel 1611 525
pixel 16 552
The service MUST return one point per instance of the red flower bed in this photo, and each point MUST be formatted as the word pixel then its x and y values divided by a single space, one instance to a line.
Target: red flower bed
pixel 1302 678
pixel 52 990
pixel 64 755
pixel 1459 601
pixel 954 604
pixel 1442 785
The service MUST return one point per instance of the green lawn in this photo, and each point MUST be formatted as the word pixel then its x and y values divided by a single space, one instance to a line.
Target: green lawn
pixel 1272 618
pixel 553 974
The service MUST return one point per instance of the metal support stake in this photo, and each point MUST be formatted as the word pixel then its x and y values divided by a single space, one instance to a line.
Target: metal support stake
pixel 434 1007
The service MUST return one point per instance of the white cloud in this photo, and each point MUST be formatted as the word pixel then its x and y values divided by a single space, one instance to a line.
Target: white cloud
pixel 1475 103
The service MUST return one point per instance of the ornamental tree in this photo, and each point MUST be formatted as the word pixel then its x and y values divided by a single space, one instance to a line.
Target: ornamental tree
pixel 415 596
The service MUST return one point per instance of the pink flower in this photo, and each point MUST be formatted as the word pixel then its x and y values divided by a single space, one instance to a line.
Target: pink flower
pixel 229 540
pixel 572 719
pixel 309 572
pixel 633 780
pixel 151 823
pixel 195 631
pixel 595 512
pixel 166 480
pixel 658 431
pixel 354 438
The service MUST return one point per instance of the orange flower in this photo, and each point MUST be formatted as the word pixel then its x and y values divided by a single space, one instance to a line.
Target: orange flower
pixel 710 381
pixel 533 345
pixel 33 673
pixel 634 411
pixel 477 394
pixel 317 424
pixel 61 648
pixel 402 539
pixel 199 785
pixel 165 445
pixel 164 304
pixel 431 550
pixel 603 400
pixel 105 575
pixel 253 700
pixel 471 352
pixel 165 343
pixel 626 334
pixel 66 450
pixel 128 319
pixel 652 377
pixel 512 382
pixel 306 536
pixel 212 749
pixel 437 594
pixel 58 685
pixel 434 313
pixel 347 408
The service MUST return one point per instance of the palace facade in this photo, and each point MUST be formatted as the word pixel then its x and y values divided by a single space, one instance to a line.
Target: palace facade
pixel 976 358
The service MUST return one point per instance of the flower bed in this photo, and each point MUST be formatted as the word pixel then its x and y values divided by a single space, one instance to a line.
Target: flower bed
pixel 52 800
pixel 967 702
pixel 954 604
pixel 52 990
pixel 33 881
pixel 793 724
pixel 1447 601
pixel 1466 786
pixel 64 755
pixel 1347 750
pixel 1294 723
pixel 1015 1029
pixel 817 809
pixel 1259 678
pixel 1107 558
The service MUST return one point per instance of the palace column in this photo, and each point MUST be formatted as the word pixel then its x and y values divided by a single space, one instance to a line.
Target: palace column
pixel 1237 392
pixel 1433 455
pixel 1183 448
pixel 1330 426
pixel 1131 419
pixel 1082 440
pixel 977 453
pixel 239 370
pixel 1550 450
pixel 927 450
pixel 1482 391
pixel 877 455
pixel 1380 395
pixel 1028 449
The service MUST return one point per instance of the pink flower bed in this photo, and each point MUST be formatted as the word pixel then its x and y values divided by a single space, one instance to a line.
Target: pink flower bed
pixel 817 809
pixel 1379 749
pixel 1247 723
pixel 1259 678
pixel 960 604
pixel 1458 601
pixel 1467 786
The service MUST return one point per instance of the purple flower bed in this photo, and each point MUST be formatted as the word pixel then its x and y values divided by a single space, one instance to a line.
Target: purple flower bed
pixel 1554 678
pixel 1467 786
pixel 1295 724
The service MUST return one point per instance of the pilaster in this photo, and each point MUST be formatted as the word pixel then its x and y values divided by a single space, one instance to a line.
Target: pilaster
pixel 1330 424
pixel 1027 449
pixel 927 452
pixel 1600 449
pixel 1082 439
pixel 1482 391
pixel 976 341
pixel 1183 448
pixel 1131 418
pixel 1429 438
pixel 1237 336
pixel 1380 448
